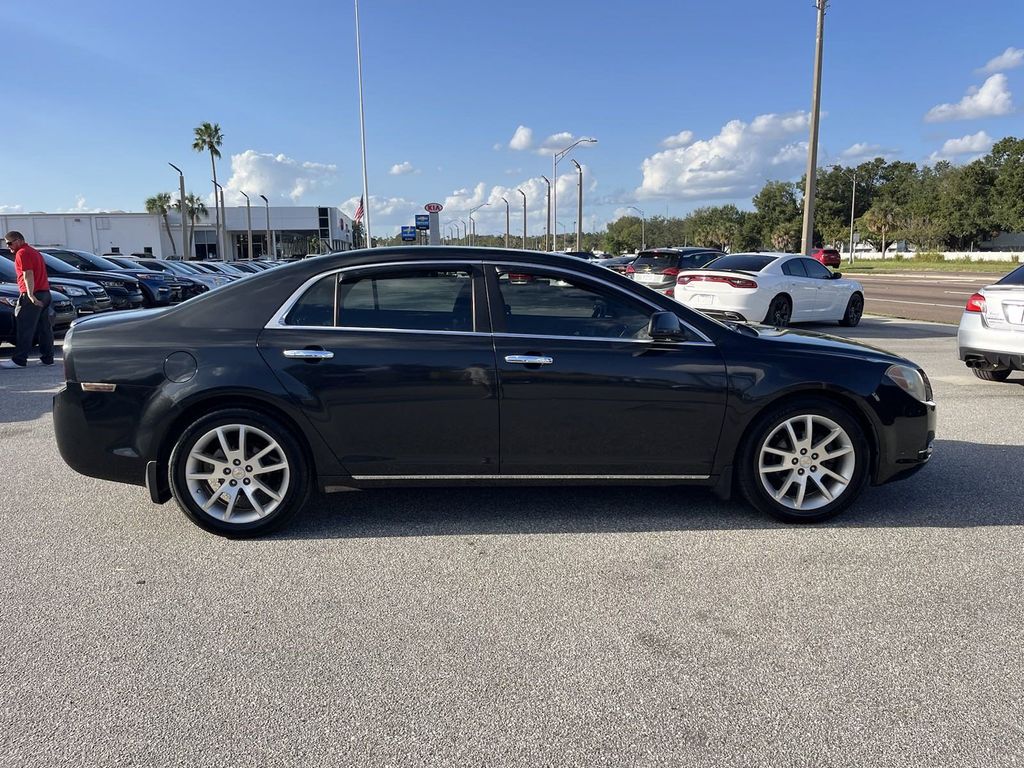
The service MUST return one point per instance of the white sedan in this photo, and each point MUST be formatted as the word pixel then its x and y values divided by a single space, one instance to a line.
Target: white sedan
pixel 774 288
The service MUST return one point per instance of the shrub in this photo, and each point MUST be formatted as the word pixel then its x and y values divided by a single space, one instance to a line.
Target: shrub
pixel 930 256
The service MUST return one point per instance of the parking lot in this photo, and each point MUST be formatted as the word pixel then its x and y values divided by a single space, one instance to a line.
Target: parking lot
pixel 529 626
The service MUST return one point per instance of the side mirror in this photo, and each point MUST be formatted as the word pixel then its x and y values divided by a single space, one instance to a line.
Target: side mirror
pixel 664 326
pixel 836 275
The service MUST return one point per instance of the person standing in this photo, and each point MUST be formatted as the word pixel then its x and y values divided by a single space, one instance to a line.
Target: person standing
pixel 32 313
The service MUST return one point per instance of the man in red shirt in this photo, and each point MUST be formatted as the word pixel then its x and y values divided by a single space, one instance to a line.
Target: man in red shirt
pixel 32 314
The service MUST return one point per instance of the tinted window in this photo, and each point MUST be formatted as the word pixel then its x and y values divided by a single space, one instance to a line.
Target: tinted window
pixel 538 303
pixel 815 269
pixel 697 260
pixel 742 262
pixel 1014 278
pixel 794 268
pixel 73 259
pixel 316 307
pixel 656 260
pixel 419 300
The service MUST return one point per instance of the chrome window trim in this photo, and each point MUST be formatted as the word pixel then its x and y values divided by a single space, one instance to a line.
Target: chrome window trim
pixel 277 320
pixel 614 340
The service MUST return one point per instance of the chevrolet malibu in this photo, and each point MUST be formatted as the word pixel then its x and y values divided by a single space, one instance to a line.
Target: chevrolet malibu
pixel 430 366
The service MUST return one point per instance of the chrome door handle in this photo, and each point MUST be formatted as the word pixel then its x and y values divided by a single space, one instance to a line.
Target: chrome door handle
pixel 529 359
pixel 308 354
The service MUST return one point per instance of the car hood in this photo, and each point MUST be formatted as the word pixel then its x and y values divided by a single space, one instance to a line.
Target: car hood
pixel 92 277
pixel 811 341
pixel 85 285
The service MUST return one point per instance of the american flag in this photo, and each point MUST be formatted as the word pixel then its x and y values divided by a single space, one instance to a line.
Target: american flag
pixel 359 212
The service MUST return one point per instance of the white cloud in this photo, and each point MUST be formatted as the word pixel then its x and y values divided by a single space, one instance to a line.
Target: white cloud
pixel 681 139
pixel 991 99
pixel 1011 58
pixel 521 139
pixel 730 165
pixel 973 145
pixel 402 169
pixel 864 151
pixel 82 207
pixel 11 209
pixel 387 214
pixel 276 176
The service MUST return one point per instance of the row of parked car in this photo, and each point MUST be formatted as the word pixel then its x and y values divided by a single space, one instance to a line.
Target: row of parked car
pixel 83 283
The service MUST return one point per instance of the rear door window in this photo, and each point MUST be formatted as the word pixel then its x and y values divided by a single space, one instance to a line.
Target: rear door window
pixel 794 268
pixel 815 269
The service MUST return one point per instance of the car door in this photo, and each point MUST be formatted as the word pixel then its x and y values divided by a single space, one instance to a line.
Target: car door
pixel 831 294
pixel 585 392
pixel 394 366
pixel 803 289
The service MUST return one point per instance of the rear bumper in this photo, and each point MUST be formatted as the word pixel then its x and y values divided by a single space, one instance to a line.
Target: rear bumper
pixel 981 346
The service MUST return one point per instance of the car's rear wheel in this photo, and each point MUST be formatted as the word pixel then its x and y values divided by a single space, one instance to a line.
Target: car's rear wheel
pixel 854 311
pixel 238 472
pixel 804 462
pixel 999 374
pixel 780 311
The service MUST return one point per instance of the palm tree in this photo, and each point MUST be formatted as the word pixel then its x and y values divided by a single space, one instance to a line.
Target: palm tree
pixel 194 209
pixel 160 203
pixel 208 138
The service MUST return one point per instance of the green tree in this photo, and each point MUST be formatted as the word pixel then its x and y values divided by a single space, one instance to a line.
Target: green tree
pixel 965 204
pixel 207 137
pixel 880 223
pixel 160 204
pixel 1007 163
pixel 777 208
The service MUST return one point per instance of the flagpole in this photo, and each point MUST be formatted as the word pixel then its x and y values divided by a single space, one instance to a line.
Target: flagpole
pixel 362 131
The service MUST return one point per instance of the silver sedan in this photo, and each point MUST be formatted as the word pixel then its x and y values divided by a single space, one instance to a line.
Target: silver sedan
pixel 991 334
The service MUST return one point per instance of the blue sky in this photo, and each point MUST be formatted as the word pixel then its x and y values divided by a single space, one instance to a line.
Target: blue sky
pixel 692 102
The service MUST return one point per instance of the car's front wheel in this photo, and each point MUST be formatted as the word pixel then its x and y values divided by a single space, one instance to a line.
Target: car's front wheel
pixel 999 374
pixel 804 462
pixel 238 472
pixel 780 311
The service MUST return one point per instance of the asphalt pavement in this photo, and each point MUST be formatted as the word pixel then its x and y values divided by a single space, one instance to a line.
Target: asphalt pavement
pixel 936 297
pixel 523 627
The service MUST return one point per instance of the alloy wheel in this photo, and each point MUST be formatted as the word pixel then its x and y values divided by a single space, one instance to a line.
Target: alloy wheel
pixel 806 462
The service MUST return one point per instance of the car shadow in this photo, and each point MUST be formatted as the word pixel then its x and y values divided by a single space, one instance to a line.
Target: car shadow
pixel 968 471
pixel 885 329
pixel 28 394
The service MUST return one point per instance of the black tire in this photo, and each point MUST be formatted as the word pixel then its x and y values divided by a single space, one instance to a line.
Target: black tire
pixel 749 476
pixel 780 312
pixel 854 311
pixel 294 479
pixel 999 374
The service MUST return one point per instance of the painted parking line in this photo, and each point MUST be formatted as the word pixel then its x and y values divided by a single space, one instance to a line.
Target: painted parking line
pixel 918 303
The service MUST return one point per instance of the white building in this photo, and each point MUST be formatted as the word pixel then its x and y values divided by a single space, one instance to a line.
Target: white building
pixel 295 230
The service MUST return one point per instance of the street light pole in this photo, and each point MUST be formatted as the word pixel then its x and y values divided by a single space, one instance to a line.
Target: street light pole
pixel 271 251
pixel 362 133
pixel 524 216
pixel 548 245
pixel 853 208
pixel 218 205
pixel 463 236
pixel 812 149
pixel 554 171
pixel 181 187
pixel 579 205
pixel 472 223
pixel 643 227
pixel 507 220
pixel 248 217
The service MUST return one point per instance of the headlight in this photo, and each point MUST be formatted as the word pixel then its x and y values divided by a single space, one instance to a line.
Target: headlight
pixel 73 290
pixel 910 380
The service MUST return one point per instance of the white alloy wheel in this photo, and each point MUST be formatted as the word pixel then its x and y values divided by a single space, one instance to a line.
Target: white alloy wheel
pixel 807 462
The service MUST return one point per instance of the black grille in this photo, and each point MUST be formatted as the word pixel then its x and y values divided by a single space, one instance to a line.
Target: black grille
pixel 97 292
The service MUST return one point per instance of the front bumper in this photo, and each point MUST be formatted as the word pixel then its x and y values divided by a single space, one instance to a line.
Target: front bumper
pixel 906 432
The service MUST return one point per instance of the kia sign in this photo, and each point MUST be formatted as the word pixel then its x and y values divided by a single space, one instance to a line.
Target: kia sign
pixel 435 223
pixel 433 207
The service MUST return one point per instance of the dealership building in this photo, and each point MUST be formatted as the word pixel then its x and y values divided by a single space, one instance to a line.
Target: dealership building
pixel 293 231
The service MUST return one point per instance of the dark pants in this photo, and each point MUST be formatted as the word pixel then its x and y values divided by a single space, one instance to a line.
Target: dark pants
pixel 29 320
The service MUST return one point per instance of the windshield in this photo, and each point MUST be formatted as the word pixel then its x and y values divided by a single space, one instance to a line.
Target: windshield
pixel 741 262
pixel 84 261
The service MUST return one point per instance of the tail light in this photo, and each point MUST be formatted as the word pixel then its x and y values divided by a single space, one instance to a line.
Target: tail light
pixel 671 271
pixel 735 282
pixel 976 303
pixel 629 269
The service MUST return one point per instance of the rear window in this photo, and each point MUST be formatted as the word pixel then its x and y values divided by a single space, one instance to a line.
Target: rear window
pixel 741 263
pixel 657 260
pixel 1014 278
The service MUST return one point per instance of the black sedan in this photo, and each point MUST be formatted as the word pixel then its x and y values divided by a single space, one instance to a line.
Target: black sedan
pixel 429 366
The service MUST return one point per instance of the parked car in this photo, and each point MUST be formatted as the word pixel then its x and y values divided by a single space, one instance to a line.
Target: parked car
pixel 185 269
pixel 990 339
pixel 428 366
pixel 101 285
pixel 221 268
pixel 181 288
pixel 86 298
pixel 617 263
pixel 657 268
pixel 153 287
pixel 828 257
pixel 61 311
pixel 774 288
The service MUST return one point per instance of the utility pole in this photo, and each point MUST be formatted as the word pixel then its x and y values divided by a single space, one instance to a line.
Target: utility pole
pixel 248 217
pixel 524 217
pixel 181 185
pixel 812 149
pixel 853 209
pixel 271 251
pixel 506 220
pixel 548 244
pixel 579 205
